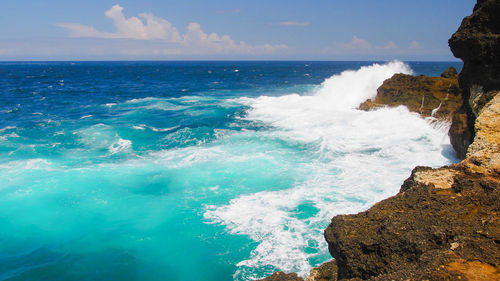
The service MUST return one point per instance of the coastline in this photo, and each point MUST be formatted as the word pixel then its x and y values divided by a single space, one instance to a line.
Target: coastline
pixel 443 224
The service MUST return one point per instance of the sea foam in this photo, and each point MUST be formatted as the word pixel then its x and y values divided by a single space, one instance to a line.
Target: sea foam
pixel 359 158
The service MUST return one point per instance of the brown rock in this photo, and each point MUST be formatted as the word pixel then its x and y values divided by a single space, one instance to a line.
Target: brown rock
pixel 281 276
pixel 325 272
pixel 429 96
pixel 477 43
pixel 451 72
pixel 443 225
pixel 461 131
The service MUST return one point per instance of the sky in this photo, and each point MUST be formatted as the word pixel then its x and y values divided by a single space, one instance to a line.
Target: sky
pixel 229 30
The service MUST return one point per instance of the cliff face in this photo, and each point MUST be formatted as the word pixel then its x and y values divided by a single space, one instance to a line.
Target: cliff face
pixel 477 43
pixel 444 224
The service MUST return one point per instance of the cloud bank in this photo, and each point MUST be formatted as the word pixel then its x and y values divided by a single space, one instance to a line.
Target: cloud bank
pixel 147 27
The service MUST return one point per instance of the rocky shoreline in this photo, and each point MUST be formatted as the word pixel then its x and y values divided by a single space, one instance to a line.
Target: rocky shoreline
pixel 436 97
pixel 444 224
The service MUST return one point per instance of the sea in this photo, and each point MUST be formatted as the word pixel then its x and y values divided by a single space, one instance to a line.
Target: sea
pixel 195 170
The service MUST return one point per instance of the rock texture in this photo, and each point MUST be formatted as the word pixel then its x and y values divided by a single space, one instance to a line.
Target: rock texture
pixel 430 96
pixel 477 43
pixel 325 272
pixel 281 276
pixel 451 72
pixel 444 224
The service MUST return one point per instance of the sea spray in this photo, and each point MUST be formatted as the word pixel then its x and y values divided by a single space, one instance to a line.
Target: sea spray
pixel 358 158
pixel 231 179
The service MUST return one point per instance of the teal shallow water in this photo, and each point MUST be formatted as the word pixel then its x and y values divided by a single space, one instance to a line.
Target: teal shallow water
pixel 192 171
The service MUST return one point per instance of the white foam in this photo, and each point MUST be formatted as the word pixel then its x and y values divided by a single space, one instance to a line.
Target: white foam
pixel 141 100
pixel 141 127
pixel 7 128
pixel 163 129
pixel 86 116
pixel 360 158
pixel 120 145
pixel 30 164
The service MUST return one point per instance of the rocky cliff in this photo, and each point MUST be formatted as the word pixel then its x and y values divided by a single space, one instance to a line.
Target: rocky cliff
pixel 444 224
pixel 438 97
pixel 477 43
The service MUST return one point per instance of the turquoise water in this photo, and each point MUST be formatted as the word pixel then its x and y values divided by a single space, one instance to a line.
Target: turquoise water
pixel 194 170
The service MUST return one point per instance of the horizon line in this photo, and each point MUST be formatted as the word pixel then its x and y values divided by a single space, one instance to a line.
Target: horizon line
pixel 224 60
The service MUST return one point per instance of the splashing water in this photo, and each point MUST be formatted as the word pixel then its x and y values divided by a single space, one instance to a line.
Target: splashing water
pixel 192 171
pixel 357 159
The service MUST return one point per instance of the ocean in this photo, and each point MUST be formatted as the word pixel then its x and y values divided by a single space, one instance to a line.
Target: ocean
pixel 195 170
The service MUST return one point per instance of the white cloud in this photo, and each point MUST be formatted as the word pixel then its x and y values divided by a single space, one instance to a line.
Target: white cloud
pixel 389 46
pixel 150 27
pixel 195 36
pixel 291 23
pixel 357 43
pixel 131 28
pixel 415 45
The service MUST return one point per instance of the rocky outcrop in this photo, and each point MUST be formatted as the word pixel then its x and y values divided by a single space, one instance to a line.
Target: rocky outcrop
pixel 477 43
pixel 281 276
pixel 325 272
pixel 444 224
pixel 429 96
pixel 451 72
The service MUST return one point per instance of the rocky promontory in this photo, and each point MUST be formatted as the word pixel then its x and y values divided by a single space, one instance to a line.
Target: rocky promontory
pixel 437 97
pixel 444 224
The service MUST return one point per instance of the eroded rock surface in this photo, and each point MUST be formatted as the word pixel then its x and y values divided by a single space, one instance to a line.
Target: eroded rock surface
pixel 325 272
pixel 477 43
pixel 430 96
pixel 444 224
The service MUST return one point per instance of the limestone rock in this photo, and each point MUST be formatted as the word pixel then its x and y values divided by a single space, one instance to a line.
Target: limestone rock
pixel 477 43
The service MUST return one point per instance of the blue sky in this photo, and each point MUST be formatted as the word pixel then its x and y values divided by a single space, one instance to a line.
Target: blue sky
pixel 277 30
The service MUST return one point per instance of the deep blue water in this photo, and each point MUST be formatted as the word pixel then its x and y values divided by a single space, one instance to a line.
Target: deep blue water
pixel 194 170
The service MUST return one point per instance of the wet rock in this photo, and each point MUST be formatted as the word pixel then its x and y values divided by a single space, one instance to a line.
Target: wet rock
pixel 281 276
pixel 444 223
pixel 328 271
pixel 429 96
pixel 410 234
